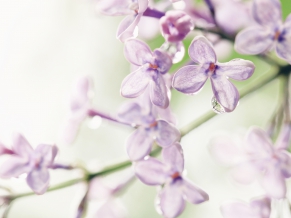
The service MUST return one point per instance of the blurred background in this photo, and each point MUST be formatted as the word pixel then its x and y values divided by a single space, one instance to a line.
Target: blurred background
pixel 44 47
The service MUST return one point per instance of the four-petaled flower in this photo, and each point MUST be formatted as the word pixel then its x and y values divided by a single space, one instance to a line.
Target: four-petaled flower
pixel 150 129
pixel 152 66
pixel 176 189
pixel 33 162
pixel 269 33
pixel 190 79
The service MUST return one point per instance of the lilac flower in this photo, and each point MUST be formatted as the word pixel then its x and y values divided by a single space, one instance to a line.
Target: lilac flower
pixel 133 8
pixel 152 66
pixel 150 129
pixel 175 25
pixel 33 162
pixel 177 189
pixel 257 208
pixel 269 32
pixel 190 79
pixel 259 159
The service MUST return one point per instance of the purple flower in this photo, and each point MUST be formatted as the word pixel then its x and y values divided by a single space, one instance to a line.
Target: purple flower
pixel 133 8
pixel 152 66
pixel 33 162
pixel 269 32
pixel 177 189
pixel 257 208
pixel 150 130
pixel 175 25
pixel 257 158
pixel 190 79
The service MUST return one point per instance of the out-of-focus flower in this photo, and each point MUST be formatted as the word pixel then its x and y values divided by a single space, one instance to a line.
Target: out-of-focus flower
pixel 5 150
pixel 257 208
pixel 177 189
pixel 80 103
pixel 175 25
pixel 33 162
pixel 152 66
pixel 150 129
pixel 190 79
pixel 133 8
pixel 269 32
pixel 258 159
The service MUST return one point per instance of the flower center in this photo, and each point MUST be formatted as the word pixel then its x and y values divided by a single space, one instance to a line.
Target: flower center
pixel 154 124
pixel 134 6
pixel 153 66
pixel 211 67
pixel 277 35
pixel 175 175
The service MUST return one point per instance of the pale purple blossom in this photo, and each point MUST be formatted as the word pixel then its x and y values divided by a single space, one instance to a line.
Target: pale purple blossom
pixel 257 208
pixel 134 10
pixel 35 163
pixel 149 130
pixel 258 159
pixel 175 25
pixel 270 32
pixel 190 79
pixel 152 66
pixel 176 189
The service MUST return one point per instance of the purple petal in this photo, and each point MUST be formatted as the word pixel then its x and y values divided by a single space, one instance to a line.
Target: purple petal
pixel 80 96
pixel 139 144
pixel 162 60
pixel 258 143
pixel 137 52
pixel 142 5
pixel 236 209
pixel 167 134
pixel 245 172
pixel 283 48
pixel 135 83
pixel 283 139
pixel 172 203
pixel 201 51
pixel 128 27
pixel 174 157
pixel 21 146
pixel 285 163
pixel 237 69
pixel 193 193
pixel 225 150
pixel 267 12
pixel 189 79
pixel 151 171
pixel 274 183
pixel 262 207
pixel 253 40
pixel 159 91
pixel 14 167
pixel 38 180
pixel 48 154
pixel 225 93
pixel 114 7
pixel 130 112
pixel 111 209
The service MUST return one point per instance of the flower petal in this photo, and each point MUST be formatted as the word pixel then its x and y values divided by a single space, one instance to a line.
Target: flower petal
pixel 283 48
pixel 142 5
pixel 167 134
pixel 201 51
pixel 283 139
pixel 245 172
pixel 274 183
pixel 128 27
pixel 236 209
pixel 193 193
pixel 151 171
pixel 38 180
pixel 111 209
pixel 253 40
pixel 173 155
pixel 14 167
pixel 258 143
pixel 162 60
pixel 172 203
pixel 48 153
pixel 261 206
pixel 114 7
pixel 225 93
pixel 139 144
pixel 285 163
pixel 159 91
pixel 135 83
pixel 137 52
pixel 189 79
pixel 21 146
pixel 267 12
pixel 237 69
pixel 130 112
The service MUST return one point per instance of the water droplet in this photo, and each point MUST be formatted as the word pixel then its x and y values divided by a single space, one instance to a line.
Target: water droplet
pixel 175 50
pixel 95 122
pixel 216 107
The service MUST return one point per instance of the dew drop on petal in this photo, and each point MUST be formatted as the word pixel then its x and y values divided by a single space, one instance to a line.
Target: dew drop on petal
pixel 216 107
pixel 95 122
pixel 175 50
